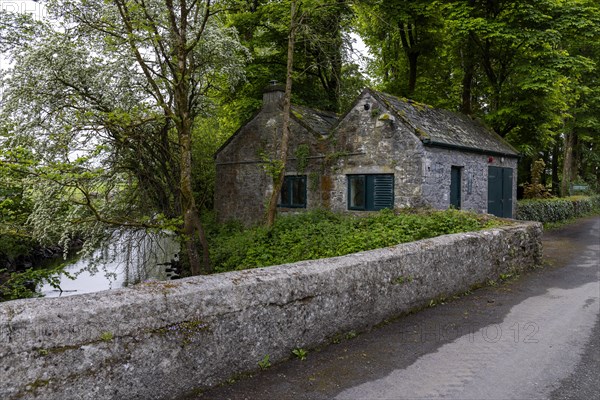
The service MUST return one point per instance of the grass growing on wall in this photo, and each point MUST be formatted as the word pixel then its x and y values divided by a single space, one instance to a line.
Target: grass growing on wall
pixel 557 210
pixel 320 234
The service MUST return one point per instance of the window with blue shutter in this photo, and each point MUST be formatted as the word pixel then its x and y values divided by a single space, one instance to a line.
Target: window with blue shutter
pixel 293 192
pixel 370 192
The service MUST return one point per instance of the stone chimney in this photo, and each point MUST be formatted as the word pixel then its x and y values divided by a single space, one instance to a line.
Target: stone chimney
pixel 273 96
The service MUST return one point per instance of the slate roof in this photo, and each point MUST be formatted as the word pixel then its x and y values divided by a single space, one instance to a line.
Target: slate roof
pixel 443 128
pixel 317 121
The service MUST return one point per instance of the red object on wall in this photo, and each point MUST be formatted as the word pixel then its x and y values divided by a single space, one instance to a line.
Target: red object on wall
pixel 490 159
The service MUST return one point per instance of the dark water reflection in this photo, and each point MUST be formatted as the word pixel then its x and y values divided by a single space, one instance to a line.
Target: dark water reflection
pixel 129 258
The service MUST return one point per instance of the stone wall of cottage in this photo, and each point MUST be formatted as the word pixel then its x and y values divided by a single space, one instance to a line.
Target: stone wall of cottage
pixel 437 163
pixel 370 140
pixel 243 186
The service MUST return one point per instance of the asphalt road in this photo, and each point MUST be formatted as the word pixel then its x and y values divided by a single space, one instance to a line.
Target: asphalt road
pixel 534 337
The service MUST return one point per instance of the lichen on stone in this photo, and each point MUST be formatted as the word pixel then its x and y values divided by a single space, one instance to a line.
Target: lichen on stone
pixel 185 331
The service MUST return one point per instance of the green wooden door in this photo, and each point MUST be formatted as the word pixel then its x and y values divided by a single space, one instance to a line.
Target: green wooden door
pixel 507 198
pixel 455 187
pixel 500 201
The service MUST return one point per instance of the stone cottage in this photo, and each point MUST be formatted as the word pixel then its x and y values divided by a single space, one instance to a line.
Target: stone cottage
pixel 385 152
pixel 243 185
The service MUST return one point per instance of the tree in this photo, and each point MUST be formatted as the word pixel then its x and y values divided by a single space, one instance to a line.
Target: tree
pixel 285 126
pixel 580 23
pixel 524 66
pixel 319 56
pixel 400 34
pixel 517 71
pixel 123 83
pixel 15 208
pixel 304 21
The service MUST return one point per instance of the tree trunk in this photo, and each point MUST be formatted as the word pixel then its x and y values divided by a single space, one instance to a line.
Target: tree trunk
pixel 576 158
pixel 555 156
pixel 285 129
pixel 191 218
pixel 596 168
pixel 567 164
pixel 412 72
pixel 333 92
pixel 183 122
pixel 467 81
pixel 546 159
pixel 409 45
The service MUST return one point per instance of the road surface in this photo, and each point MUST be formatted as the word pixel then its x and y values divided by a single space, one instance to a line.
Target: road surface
pixel 533 337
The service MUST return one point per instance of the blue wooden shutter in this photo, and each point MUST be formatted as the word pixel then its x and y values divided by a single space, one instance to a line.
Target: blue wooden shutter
pixel 383 191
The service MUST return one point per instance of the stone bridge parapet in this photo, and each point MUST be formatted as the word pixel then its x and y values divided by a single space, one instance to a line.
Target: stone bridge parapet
pixel 162 340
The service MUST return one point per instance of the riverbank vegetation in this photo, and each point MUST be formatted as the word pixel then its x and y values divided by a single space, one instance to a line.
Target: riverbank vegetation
pixel 23 284
pixel 303 236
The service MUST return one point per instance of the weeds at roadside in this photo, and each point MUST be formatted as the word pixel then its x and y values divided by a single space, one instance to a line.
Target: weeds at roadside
pixel 265 363
pixel 351 335
pixel 300 353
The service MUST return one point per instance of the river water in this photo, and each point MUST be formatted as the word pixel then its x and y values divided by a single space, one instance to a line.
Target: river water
pixel 127 259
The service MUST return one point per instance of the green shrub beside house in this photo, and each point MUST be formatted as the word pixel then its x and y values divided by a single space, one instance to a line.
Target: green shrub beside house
pixel 320 234
pixel 557 209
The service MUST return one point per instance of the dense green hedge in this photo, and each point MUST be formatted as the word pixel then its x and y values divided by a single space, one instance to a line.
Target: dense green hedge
pixel 320 234
pixel 557 209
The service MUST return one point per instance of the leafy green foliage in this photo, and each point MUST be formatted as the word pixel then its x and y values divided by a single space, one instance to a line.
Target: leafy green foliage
pixel 320 234
pixel 351 335
pixel 403 37
pixel 535 189
pixel 556 210
pixel 325 77
pixel 209 134
pixel 302 152
pixel 20 285
pixel 528 68
pixel 15 205
pixel 108 96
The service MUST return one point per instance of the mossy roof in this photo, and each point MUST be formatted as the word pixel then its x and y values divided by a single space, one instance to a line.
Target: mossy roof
pixel 443 128
pixel 319 122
